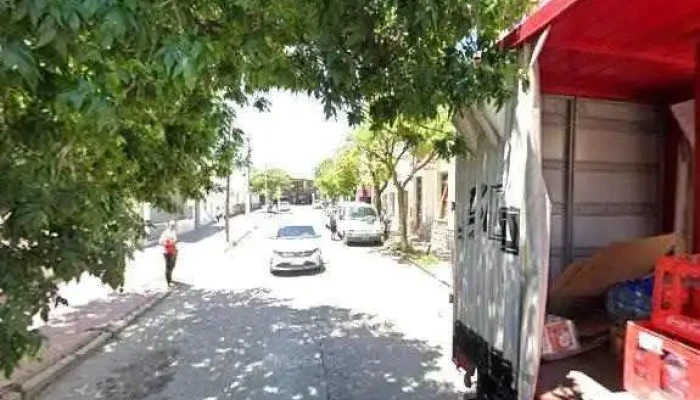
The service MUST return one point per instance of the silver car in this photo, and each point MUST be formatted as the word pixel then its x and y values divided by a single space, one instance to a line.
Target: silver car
pixel 296 247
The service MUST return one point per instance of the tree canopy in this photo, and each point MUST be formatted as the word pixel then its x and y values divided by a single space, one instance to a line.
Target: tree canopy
pixel 270 182
pixel 405 147
pixel 107 103
pixel 339 176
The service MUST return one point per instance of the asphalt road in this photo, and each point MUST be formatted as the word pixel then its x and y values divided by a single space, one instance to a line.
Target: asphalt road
pixel 365 328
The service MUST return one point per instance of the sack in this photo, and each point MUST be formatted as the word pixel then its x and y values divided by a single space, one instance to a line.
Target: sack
pixel 630 300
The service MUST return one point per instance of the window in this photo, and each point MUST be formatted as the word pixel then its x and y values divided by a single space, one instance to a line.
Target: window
pixel 444 195
pixel 296 232
pixel 359 213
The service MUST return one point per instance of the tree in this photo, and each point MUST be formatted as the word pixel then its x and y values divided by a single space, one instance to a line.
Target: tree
pixel 347 171
pixel 241 159
pixel 339 176
pixel 270 182
pixel 411 144
pixel 105 104
pixel 372 170
pixel 324 179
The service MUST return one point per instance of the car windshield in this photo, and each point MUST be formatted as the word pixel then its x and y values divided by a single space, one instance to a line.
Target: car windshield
pixel 296 232
pixel 361 213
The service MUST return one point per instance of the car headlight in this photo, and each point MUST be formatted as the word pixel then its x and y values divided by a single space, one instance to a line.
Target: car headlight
pixel 308 253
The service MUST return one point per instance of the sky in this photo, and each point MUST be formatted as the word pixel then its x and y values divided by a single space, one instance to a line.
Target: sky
pixel 293 135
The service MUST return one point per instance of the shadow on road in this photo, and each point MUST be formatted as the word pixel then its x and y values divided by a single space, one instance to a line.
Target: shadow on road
pixel 394 254
pixel 303 272
pixel 223 345
pixel 70 328
pixel 375 245
pixel 200 233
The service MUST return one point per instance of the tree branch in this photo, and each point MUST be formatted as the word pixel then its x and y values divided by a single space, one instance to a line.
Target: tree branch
pixel 383 186
pixel 420 166
pixel 406 147
pixel 431 128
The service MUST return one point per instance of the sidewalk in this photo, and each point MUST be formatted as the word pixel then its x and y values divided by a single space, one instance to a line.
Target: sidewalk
pixel 96 313
pixel 442 272
pixel 73 334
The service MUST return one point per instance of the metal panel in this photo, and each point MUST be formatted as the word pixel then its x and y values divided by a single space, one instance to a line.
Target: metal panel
pixel 616 174
pixel 617 165
pixel 554 125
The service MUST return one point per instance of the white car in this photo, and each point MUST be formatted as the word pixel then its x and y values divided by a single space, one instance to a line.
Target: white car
pixel 359 222
pixel 296 247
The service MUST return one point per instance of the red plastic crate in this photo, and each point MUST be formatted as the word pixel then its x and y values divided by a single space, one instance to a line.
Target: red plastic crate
pixel 658 366
pixel 676 299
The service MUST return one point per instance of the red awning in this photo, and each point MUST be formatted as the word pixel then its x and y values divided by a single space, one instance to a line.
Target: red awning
pixel 642 50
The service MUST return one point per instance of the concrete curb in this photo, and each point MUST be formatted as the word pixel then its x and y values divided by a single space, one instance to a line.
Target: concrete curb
pixel 34 385
pixel 430 273
pixel 236 242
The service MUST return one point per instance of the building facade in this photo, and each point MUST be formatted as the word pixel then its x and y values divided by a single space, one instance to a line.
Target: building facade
pixel 301 191
pixel 430 198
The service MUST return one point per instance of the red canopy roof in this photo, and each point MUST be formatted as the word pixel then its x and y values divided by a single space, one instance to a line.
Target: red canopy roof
pixel 641 50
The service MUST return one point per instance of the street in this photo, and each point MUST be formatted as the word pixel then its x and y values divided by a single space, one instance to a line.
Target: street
pixel 365 328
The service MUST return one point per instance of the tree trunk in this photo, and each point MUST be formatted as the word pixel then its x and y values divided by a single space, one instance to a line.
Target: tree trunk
pixel 197 214
pixel 378 198
pixel 403 216
pixel 227 204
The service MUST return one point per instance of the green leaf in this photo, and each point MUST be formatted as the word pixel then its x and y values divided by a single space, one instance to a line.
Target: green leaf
pixel 20 11
pixel 60 45
pixel 17 57
pixel 190 77
pixel 36 10
pixel 74 21
pixel 47 33
pixel 89 8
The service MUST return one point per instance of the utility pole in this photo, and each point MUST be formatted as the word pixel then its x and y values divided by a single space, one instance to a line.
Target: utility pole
pixel 268 197
pixel 227 204
pixel 247 190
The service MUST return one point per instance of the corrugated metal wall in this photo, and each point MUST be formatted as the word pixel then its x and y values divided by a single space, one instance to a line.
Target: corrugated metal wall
pixel 614 185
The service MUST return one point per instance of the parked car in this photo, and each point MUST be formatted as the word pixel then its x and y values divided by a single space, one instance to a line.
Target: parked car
pixel 296 247
pixel 285 206
pixel 359 222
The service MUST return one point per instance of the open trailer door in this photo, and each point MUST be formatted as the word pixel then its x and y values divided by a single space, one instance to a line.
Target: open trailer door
pixel 502 243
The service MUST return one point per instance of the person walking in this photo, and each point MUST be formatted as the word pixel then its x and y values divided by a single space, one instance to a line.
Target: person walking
pixel 168 239
pixel 333 224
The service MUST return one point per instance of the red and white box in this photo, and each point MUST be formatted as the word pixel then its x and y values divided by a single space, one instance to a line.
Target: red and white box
pixel 560 338
pixel 658 366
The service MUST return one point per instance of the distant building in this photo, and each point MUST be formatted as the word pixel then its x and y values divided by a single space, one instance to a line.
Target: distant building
pixel 301 191
pixel 364 194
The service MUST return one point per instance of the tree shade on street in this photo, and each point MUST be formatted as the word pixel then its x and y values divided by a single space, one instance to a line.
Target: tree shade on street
pixel 106 104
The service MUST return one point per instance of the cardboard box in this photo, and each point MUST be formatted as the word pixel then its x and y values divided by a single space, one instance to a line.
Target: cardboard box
pixel 615 263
